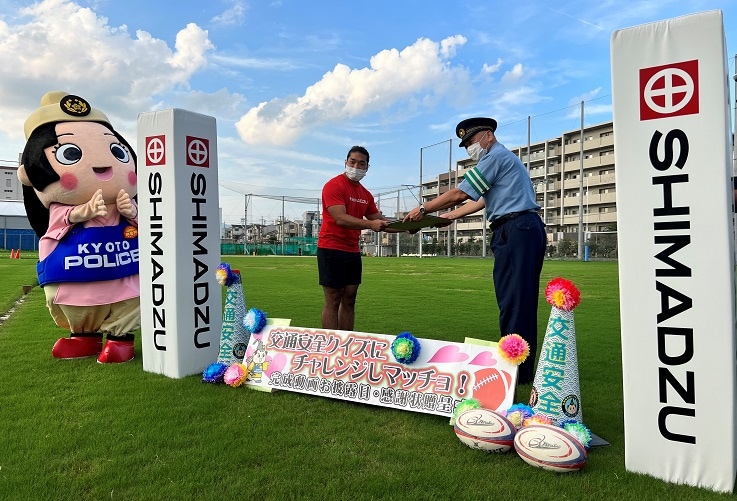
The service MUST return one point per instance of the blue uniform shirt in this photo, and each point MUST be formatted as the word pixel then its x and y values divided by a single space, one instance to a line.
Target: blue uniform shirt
pixel 502 180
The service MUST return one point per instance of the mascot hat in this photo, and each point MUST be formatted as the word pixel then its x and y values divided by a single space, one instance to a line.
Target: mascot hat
pixel 58 106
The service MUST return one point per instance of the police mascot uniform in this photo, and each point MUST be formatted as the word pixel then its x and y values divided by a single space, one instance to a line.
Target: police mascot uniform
pixel 79 184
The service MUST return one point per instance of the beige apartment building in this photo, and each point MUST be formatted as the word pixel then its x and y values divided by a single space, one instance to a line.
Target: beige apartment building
pixel 574 183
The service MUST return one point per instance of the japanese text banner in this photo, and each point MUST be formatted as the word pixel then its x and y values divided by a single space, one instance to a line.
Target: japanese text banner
pixel 360 367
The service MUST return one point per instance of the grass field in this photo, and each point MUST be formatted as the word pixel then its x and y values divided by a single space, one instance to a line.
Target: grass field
pixel 77 430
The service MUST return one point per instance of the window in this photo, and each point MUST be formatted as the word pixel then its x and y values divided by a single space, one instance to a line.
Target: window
pixel 8 183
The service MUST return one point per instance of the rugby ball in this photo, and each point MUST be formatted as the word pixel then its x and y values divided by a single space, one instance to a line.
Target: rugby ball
pixel 485 430
pixel 491 387
pixel 550 447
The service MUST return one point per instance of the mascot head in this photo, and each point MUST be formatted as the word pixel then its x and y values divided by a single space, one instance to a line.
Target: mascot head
pixel 71 151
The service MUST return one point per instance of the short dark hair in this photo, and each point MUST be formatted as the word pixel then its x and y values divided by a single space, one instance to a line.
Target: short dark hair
pixel 359 149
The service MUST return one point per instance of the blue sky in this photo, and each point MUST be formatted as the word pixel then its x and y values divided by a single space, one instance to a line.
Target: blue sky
pixel 293 83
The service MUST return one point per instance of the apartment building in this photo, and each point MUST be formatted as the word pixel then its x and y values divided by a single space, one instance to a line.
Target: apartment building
pixel 573 181
pixel 12 188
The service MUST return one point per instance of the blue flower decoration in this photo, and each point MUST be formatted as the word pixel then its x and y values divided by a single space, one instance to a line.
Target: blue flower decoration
pixel 214 373
pixel 254 320
pixel 225 276
pixel 526 410
pixel 405 348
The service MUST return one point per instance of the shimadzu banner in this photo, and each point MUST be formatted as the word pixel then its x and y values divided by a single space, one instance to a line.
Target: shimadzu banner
pixel 676 264
pixel 179 239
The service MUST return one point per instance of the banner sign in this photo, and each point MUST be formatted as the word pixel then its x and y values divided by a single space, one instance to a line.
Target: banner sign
pixel 360 367
pixel 670 88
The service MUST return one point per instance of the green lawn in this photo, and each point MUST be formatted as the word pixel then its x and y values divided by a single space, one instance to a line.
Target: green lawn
pixel 77 430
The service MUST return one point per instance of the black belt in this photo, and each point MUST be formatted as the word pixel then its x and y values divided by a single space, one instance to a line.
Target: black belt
pixel 498 222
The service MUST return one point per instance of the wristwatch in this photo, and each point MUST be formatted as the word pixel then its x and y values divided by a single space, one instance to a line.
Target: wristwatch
pixel 422 209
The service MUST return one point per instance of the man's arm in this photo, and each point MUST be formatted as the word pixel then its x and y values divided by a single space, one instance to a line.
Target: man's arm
pixel 450 198
pixel 464 210
pixel 373 222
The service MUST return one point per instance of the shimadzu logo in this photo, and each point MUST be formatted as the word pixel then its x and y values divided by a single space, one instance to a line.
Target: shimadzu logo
pixel 669 90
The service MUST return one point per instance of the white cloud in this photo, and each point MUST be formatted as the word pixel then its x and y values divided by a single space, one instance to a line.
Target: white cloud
pixel 418 74
pixel 513 75
pixel 234 16
pixel 586 96
pixel 519 96
pixel 57 44
pixel 492 68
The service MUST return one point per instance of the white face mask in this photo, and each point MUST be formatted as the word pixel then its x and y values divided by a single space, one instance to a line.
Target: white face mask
pixel 355 174
pixel 475 151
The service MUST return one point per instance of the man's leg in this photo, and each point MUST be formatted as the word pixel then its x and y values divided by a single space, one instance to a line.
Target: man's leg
pixel 518 253
pixel 347 311
pixel 333 299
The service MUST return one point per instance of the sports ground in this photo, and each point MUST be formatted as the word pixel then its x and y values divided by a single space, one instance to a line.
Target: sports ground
pixel 80 430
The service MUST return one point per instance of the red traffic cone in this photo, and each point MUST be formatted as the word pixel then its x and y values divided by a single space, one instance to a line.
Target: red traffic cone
pixel 12 253
pixel 17 254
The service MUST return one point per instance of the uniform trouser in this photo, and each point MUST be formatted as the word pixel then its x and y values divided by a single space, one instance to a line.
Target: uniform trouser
pixel 519 248
pixel 116 319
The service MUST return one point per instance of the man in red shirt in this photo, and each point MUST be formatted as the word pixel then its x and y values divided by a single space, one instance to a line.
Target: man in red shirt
pixel 347 208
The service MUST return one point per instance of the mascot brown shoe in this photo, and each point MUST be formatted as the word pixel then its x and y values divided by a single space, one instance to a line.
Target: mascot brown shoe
pixel 77 346
pixel 117 350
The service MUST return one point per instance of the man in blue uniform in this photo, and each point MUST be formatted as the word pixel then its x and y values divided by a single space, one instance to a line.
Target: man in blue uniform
pixel 500 182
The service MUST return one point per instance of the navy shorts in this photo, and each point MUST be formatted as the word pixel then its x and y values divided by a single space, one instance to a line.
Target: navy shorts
pixel 338 268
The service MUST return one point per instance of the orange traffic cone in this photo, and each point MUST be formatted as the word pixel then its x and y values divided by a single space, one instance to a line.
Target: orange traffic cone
pixel 12 253
pixel 17 254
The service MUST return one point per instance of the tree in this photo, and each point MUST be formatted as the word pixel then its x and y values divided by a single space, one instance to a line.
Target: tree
pixel 567 248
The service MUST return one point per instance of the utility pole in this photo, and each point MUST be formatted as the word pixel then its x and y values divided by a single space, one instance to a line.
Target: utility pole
pixel 580 195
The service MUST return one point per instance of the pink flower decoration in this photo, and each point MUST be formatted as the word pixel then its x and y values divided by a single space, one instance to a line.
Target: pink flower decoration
pixel 562 294
pixel 513 348
pixel 235 375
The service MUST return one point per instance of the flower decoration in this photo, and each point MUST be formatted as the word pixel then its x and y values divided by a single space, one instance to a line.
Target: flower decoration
pixel 225 276
pixel 513 348
pixel 562 294
pixel 235 375
pixel 516 418
pixel 214 373
pixel 517 414
pixel 405 348
pixel 254 320
pixel 524 409
pixel 579 431
pixel 464 405
pixel 537 419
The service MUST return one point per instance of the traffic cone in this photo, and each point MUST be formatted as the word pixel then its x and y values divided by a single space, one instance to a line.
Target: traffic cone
pixel 556 391
pixel 17 254
pixel 12 253
pixel 233 336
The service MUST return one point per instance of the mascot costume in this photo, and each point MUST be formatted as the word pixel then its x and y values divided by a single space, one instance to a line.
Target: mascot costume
pixel 79 185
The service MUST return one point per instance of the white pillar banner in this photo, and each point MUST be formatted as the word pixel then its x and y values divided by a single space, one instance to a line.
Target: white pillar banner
pixel 179 239
pixel 676 265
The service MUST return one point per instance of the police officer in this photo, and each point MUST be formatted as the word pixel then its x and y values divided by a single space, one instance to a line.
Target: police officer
pixel 500 182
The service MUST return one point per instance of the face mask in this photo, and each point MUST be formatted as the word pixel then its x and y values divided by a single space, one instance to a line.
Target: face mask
pixel 475 151
pixel 355 174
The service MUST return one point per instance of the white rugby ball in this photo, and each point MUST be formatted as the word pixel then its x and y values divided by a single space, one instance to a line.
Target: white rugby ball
pixel 550 447
pixel 485 429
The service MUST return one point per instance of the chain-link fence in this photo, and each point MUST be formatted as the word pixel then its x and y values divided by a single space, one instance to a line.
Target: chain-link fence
pixel 15 239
